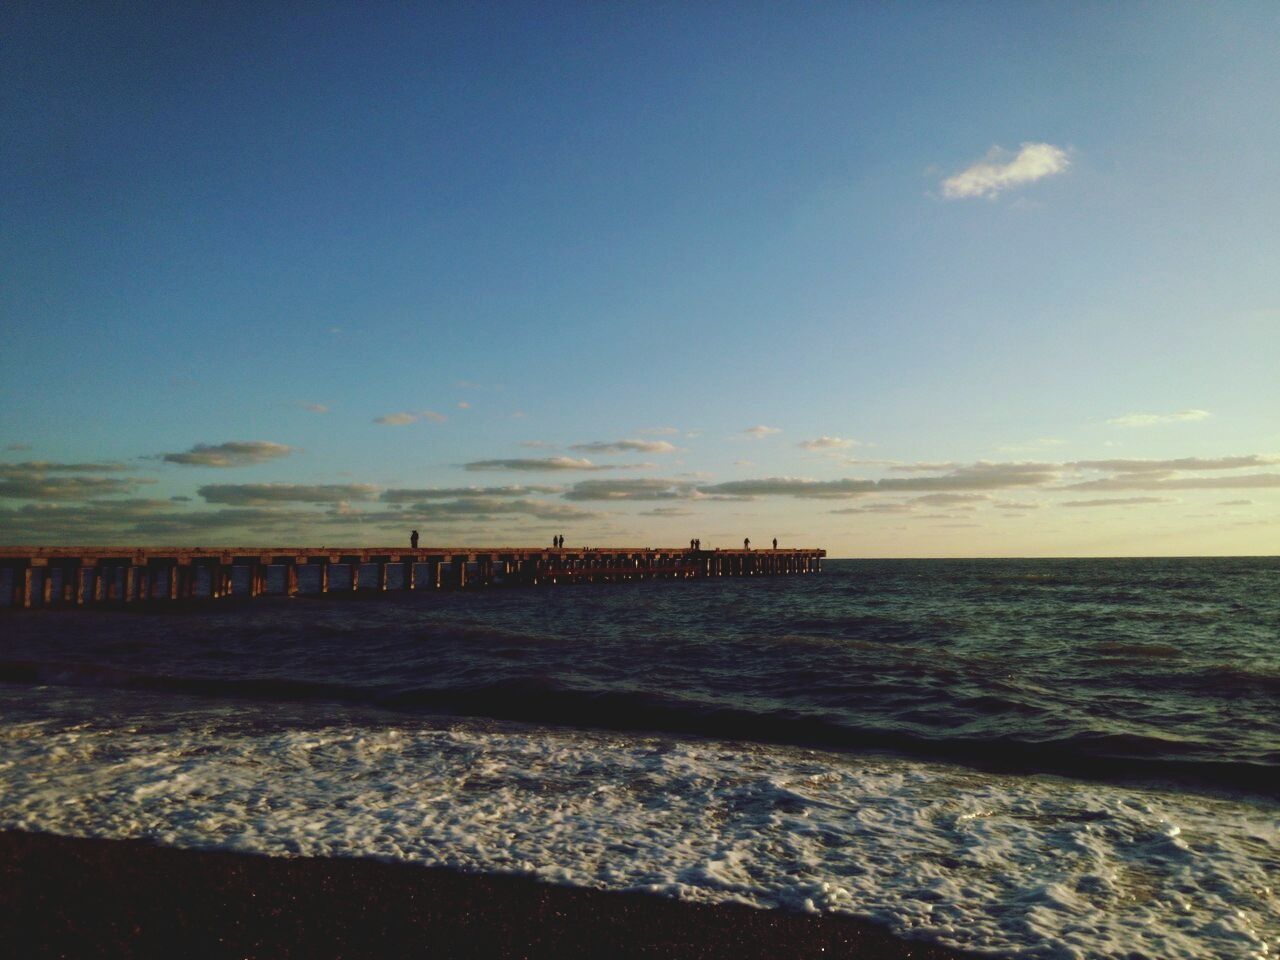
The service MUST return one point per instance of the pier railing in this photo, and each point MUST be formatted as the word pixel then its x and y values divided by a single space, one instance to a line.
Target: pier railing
pixel 79 576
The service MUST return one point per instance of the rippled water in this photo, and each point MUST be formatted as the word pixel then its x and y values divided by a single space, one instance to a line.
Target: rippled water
pixel 1049 758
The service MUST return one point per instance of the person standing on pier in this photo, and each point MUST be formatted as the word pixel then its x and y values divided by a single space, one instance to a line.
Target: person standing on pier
pixel 775 543
pixel 413 540
pixel 746 543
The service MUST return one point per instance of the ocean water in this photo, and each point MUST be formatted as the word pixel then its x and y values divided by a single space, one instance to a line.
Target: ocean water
pixel 1033 758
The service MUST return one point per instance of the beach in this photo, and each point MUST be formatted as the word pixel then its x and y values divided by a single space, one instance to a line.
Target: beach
pixel 121 898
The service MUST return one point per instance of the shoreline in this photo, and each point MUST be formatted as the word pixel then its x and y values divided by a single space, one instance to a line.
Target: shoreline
pixel 67 896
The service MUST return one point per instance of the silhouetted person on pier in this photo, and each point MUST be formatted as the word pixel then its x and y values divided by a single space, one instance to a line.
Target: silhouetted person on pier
pixel 746 543
pixel 413 540
pixel 697 544
pixel 775 543
pixel 693 544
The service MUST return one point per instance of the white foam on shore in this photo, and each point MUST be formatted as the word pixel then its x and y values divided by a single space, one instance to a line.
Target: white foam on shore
pixel 1033 866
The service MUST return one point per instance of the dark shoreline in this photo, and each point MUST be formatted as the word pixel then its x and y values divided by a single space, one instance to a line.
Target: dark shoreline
pixel 62 896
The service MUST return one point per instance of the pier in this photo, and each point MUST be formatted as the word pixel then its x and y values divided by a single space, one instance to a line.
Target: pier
pixel 86 576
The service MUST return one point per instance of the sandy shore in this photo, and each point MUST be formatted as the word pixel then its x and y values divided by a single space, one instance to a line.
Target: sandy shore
pixel 95 898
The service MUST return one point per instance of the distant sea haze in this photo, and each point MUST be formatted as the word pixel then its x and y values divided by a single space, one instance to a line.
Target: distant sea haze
pixel 1041 758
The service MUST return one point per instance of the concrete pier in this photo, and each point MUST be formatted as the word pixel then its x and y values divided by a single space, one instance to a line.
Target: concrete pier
pixel 34 577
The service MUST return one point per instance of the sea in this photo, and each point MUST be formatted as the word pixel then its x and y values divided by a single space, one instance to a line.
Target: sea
pixel 1024 758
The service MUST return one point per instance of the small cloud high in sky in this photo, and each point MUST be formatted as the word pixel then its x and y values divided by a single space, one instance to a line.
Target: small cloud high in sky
pixel 535 464
pixel 826 443
pixel 262 494
pixel 1025 256
pixel 1001 170
pixel 625 446
pixel 406 417
pixel 233 453
pixel 1151 419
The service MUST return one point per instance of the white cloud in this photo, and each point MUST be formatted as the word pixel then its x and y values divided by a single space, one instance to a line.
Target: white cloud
pixel 36 487
pixel 827 443
pixel 760 430
pixel 879 506
pixel 641 488
pixel 536 463
pixel 1180 463
pixel 265 494
pixel 473 508
pixel 859 462
pixel 1118 502
pixel 464 405
pixel 234 453
pixel 626 446
pixel 405 417
pixel 38 468
pixel 921 467
pixel 1156 481
pixel 976 476
pixel 792 487
pixel 449 493
pixel 1150 419
pixel 951 499
pixel 1039 443
pixel 659 431
pixel 314 407
pixel 999 171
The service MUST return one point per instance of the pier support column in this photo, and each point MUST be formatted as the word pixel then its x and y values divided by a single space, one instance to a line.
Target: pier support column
pixel 461 573
pixel 384 568
pixel 291 580
pixel 22 596
pixel 324 578
pixel 130 582
pixel 409 578
pixel 355 577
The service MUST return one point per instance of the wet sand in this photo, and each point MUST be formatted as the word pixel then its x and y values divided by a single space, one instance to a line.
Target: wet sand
pixel 123 898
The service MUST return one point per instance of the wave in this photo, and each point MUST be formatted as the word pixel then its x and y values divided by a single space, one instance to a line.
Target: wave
pixel 953 731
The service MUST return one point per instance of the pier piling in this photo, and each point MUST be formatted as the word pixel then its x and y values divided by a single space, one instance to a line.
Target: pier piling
pixel 47 577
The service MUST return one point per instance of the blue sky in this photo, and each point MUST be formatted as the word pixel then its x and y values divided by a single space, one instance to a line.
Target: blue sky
pixel 897 236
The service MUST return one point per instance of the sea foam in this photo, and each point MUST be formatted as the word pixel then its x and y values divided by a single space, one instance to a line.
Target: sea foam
pixel 1031 866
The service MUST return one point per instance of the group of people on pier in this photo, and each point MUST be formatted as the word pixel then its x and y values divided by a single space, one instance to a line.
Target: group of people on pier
pixel 557 542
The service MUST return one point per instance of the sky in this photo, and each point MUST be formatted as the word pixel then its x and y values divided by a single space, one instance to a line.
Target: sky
pixel 913 279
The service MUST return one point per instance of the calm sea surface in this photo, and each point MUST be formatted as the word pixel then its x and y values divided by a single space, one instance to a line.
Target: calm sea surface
pixel 1049 758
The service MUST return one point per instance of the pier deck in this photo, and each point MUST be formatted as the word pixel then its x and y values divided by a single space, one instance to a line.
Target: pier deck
pixel 79 576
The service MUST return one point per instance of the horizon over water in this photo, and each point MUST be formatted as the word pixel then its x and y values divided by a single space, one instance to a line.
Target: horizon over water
pixel 1028 757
